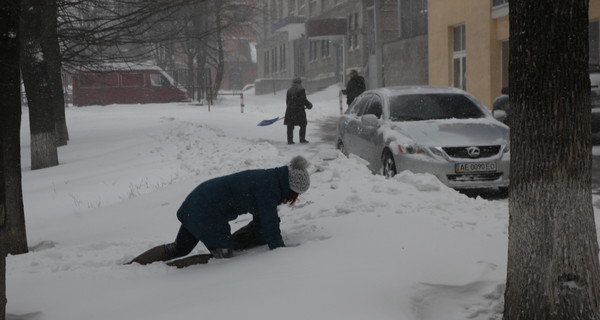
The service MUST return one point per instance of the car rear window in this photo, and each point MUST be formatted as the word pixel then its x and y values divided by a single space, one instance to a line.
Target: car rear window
pixel 416 107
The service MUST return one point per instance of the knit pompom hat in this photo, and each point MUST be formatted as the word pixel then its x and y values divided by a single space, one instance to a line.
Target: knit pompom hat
pixel 298 175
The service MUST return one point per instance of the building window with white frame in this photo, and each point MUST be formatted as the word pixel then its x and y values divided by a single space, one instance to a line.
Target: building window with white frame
pixel 459 57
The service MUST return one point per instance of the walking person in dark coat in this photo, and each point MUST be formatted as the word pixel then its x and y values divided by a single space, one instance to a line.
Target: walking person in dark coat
pixel 354 87
pixel 295 114
pixel 207 210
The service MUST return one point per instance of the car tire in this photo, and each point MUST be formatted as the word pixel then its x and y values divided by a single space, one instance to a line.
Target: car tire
pixel 503 191
pixel 388 164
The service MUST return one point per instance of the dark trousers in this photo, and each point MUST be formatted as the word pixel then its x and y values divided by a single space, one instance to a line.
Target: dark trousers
pixel 185 242
pixel 290 133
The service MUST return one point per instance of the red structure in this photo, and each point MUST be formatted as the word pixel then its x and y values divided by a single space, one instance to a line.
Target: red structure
pixel 127 85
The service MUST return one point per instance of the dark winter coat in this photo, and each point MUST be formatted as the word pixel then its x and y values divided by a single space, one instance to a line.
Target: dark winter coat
pixel 207 210
pixel 354 87
pixel 296 102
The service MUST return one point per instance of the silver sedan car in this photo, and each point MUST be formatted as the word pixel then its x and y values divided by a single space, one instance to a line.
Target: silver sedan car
pixel 443 131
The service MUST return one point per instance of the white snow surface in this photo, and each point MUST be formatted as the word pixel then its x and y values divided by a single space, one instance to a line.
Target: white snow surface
pixel 359 246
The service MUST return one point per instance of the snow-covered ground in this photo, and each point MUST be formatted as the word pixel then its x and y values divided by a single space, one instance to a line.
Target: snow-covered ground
pixel 362 247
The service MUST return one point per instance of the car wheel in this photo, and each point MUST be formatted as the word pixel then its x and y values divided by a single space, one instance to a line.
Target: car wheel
pixel 389 165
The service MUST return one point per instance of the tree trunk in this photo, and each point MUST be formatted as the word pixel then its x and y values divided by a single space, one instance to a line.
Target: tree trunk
pixel 553 270
pixel 220 50
pixel 51 50
pixel 12 220
pixel 190 73
pixel 38 88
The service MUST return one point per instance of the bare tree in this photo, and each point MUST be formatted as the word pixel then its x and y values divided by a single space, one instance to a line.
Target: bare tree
pixel 51 49
pixel 553 270
pixel 38 86
pixel 12 222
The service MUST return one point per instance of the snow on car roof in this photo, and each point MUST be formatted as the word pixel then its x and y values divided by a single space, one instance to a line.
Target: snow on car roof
pixel 417 90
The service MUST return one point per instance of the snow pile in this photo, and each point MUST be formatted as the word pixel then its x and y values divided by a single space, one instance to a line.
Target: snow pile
pixel 359 246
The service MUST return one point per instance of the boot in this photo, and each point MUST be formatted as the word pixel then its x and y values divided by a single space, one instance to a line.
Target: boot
pixel 152 255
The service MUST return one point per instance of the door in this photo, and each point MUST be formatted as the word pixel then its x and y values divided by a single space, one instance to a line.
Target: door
pixel 367 137
pixel 352 123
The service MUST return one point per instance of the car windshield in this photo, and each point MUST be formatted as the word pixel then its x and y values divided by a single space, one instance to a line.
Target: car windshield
pixel 417 107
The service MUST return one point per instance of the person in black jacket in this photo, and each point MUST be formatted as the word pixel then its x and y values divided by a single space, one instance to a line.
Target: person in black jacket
pixel 295 114
pixel 354 87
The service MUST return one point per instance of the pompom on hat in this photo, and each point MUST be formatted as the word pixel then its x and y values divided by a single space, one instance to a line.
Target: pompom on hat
pixel 298 175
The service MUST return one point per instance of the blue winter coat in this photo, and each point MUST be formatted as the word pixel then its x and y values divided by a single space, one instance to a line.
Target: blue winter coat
pixel 206 211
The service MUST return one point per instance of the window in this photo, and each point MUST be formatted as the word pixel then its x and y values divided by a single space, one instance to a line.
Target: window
pixel 459 57
pixel 313 49
pixel 412 18
pixel 594 35
pixel 505 55
pixel 313 8
pixel 267 63
pixel 324 48
pixel 157 80
pixel 419 107
pixel 132 80
pixel 301 8
pixel 291 7
pixel 358 105
pixel 375 107
pixel 353 31
pixel 496 3
pixel 282 57
pixel 274 60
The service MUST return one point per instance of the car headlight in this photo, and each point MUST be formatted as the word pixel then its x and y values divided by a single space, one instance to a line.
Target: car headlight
pixel 437 152
pixel 410 148
pixel 507 147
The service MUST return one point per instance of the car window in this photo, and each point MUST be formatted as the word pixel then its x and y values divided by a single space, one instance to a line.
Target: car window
pixel 374 107
pixel 416 107
pixel 358 106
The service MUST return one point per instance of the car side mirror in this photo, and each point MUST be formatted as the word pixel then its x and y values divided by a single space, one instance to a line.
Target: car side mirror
pixel 499 115
pixel 370 120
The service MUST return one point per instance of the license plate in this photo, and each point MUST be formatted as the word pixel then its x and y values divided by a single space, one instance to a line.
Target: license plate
pixel 470 167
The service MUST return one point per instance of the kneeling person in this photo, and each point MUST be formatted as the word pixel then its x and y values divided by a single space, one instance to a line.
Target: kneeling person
pixel 207 210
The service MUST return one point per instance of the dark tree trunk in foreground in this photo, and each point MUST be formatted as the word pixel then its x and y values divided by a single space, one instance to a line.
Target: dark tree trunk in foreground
pixel 553 270
pixel 51 50
pixel 34 68
pixel 12 221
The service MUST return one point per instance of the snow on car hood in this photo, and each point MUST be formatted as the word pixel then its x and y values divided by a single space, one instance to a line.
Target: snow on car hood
pixel 452 132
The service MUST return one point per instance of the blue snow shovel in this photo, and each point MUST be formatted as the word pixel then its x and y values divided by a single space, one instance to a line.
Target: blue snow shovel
pixel 269 122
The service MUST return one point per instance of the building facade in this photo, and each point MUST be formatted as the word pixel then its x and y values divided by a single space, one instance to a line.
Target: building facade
pixel 317 40
pixel 322 40
pixel 469 44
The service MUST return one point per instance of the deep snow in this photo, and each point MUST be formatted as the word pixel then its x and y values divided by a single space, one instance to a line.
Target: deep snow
pixel 362 247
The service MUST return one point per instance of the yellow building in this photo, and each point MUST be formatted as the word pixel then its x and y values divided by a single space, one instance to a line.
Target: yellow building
pixel 468 44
